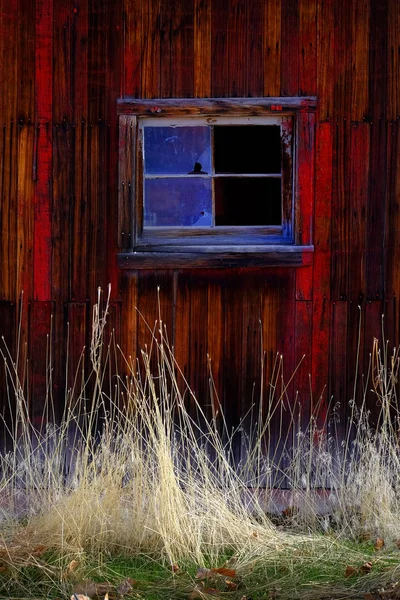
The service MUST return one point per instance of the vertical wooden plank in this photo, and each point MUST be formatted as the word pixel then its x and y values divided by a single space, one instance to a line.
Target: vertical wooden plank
pixel 233 355
pixel 155 303
pixel 63 142
pixel 252 348
pixel 97 45
pixel 25 210
pixel 278 331
pixel 97 209
pixel 321 268
pixel 308 47
pixel 393 46
pixel 360 58
pixel 114 60
pixel 378 60
pixel 79 61
pixel 198 369
pixel 129 317
pixel 237 57
pixel 132 52
pixel 202 48
pixel 340 227
pixel 376 211
pixel 342 53
pixel 43 158
pixel 181 331
pixel 77 319
pixel 7 346
pixel 182 57
pixel 126 166
pixel 325 58
pixel 305 198
pixel 272 48
pixel 373 330
pixel 40 361
pixel 62 106
pixel 358 162
pixel 338 369
pixel 219 49
pixel 151 49
pixel 216 337
pixel 290 48
pixel 25 99
pixel 255 50
pixel 176 49
pixel 392 240
pixel 303 358
pixel 8 60
pixel 8 212
pixel 79 215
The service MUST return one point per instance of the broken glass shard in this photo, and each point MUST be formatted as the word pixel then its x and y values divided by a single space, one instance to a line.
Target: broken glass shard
pixel 177 150
pixel 176 202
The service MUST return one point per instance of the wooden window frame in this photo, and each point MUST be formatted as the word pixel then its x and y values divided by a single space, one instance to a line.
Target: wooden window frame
pixel 289 245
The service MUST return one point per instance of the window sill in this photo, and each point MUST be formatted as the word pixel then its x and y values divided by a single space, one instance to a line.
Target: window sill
pixel 192 257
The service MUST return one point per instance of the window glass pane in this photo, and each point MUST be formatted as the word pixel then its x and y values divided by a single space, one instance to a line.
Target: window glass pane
pixel 251 201
pixel 177 150
pixel 247 149
pixel 178 202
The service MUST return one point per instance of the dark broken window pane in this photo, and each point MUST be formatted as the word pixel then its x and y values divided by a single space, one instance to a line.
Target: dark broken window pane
pixel 247 149
pixel 248 201
pixel 178 202
pixel 176 150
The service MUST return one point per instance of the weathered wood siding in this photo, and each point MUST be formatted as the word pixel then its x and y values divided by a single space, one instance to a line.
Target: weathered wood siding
pixel 64 63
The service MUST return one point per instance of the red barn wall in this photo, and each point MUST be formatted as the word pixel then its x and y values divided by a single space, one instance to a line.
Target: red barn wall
pixel 64 63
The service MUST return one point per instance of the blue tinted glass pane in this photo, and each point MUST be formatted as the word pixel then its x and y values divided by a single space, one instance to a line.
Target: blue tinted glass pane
pixel 178 202
pixel 176 150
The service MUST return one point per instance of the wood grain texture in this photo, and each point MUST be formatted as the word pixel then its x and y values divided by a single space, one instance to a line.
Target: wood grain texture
pixel 359 60
pixel 325 57
pixel 290 48
pixel 272 48
pixel 255 52
pixel 62 105
pixel 202 48
pixel 340 227
pixel 8 60
pixel 151 49
pixel 393 49
pixel 392 240
pixel 132 49
pixel 68 70
pixel 376 210
pixel 321 269
pixel 307 47
pixel 358 169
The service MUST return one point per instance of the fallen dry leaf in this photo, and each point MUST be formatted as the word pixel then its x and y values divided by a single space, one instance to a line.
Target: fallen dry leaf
pixel 225 572
pixel 379 543
pixel 368 597
pixel 366 567
pixel 350 571
pixel 80 597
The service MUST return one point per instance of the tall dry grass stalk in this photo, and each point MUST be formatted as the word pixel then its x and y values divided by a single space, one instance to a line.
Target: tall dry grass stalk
pixel 132 471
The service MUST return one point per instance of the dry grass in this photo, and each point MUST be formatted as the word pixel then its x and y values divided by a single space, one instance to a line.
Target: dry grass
pixel 152 482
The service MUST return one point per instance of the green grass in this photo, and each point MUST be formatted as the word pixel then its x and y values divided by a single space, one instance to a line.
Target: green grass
pixel 154 497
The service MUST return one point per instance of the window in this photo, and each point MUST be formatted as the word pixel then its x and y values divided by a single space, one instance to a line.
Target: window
pixel 215 182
